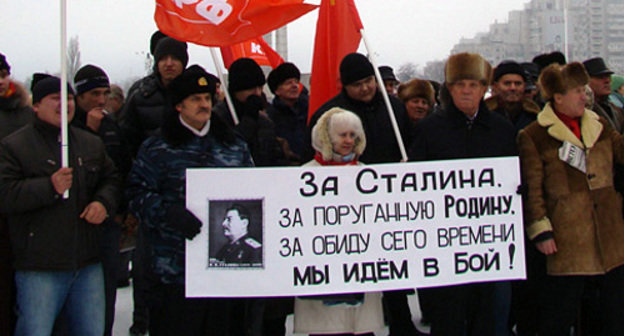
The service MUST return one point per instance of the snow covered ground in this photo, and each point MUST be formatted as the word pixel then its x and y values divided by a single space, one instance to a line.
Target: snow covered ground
pixel 123 314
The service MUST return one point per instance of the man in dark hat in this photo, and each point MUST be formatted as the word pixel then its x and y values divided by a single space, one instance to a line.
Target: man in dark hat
pixel 600 83
pixel 289 110
pixel 245 82
pixel 465 128
pixel 191 136
pixel 142 114
pixel 360 95
pixel 92 91
pixel 140 118
pixel 389 80
pixel 508 100
pixel 59 266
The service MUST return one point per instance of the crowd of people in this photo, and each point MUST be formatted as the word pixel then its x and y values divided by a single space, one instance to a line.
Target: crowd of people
pixel 67 234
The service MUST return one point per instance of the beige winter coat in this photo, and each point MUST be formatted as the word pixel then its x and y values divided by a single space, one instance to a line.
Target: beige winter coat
pixel 583 210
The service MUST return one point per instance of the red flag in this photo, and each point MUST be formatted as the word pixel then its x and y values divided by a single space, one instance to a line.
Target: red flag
pixel 337 34
pixel 225 22
pixel 256 49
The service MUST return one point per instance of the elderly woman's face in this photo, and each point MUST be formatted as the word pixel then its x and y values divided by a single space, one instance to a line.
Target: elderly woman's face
pixel 417 108
pixel 342 138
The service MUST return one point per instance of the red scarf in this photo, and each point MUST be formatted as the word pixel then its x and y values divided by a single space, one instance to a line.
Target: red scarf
pixel 10 91
pixel 319 158
pixel 573 124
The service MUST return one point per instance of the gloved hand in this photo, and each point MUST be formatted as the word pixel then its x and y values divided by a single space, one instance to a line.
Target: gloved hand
pixel 179 218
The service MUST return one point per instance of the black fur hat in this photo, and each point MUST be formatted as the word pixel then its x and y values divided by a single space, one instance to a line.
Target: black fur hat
pixel 509 67
pixel 282 73
pixel 545 60
pixel 192 80
pixel 245 73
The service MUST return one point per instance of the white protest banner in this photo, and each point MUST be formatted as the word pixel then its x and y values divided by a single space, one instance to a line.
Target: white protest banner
pixel 325 230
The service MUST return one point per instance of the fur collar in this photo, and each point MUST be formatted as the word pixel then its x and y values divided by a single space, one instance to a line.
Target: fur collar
pixel 176 134
pixel 528 105
pixel 590 127
pixel 19 99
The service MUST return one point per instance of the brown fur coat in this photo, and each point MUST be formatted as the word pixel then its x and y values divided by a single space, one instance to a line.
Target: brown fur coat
pixel 583 210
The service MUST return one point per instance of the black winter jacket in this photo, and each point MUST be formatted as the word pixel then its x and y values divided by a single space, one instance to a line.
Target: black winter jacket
pixel 46 231
pixel 448 134
pixel 257 130
pixel 291 122
pixel 110 134
pixel 142 115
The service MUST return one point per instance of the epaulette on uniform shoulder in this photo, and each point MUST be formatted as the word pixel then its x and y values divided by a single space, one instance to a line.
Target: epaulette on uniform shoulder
pixel 252 243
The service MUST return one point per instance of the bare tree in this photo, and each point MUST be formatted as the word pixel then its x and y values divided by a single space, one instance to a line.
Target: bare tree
pixel 73 57
pixel 407 71
pixel 434 70
pixel 148 61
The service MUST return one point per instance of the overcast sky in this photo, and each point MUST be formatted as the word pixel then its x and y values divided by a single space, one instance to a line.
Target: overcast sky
pixel 114 34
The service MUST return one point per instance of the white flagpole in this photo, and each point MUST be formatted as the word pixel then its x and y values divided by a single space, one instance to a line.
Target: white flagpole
pixel 64 126
pixel 565 29
pixel 228 99
pixel 381 87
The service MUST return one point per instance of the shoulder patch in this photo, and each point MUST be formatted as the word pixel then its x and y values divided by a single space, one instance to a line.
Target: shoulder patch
pixel 253 243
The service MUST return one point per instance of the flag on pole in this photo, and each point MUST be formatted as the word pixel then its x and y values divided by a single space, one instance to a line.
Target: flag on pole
pixel 256 49
pixel 337 34
pixel 223 23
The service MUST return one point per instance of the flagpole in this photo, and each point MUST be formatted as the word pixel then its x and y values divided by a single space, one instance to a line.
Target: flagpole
pixel 228 99
pixel 64 125
pixel 395 126
pixel 565 29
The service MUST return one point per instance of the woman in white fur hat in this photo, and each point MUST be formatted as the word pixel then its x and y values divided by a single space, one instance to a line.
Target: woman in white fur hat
pixel 338 139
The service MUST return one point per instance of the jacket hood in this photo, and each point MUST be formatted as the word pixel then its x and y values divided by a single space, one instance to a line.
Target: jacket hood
pixel 321 140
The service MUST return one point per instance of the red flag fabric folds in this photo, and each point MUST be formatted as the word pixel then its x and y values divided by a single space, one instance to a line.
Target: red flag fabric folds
pixel 256 49
pixel 225 22
pixel 337 34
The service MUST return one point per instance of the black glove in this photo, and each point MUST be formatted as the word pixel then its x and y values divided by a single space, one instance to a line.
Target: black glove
pixel 183 220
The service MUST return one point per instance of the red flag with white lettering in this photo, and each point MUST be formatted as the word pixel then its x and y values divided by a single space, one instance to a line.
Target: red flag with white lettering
pixel 256 49
pixel 225 22
pixel 337 34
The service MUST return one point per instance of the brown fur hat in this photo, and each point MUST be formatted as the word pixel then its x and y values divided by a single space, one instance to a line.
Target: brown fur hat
pixel 558 79
pixel 417 88
pixel 321 140
pixel 467 66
